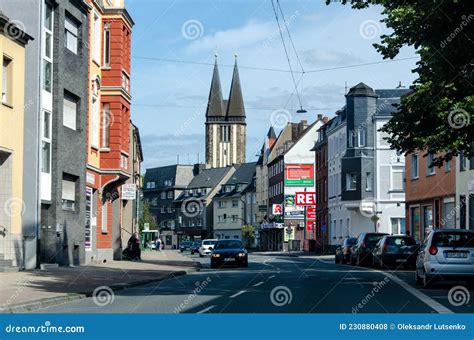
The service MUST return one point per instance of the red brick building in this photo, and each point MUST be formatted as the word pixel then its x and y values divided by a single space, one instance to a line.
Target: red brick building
pixel 430 194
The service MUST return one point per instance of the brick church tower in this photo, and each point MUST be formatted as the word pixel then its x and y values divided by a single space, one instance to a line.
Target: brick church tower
pixel 225 123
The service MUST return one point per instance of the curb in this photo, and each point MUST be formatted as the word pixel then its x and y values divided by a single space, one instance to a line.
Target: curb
pixel 31 306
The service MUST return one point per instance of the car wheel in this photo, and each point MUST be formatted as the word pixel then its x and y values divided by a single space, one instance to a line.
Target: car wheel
pixel 358 261
pixel 418 280
pixel 352 261
pixel 427 280
pixel 381 264
pixel 336 260
pixel 213 265
pixel 200 255
pixel 246 264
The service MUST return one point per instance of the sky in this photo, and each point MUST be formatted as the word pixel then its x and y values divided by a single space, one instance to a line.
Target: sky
pixel 169 98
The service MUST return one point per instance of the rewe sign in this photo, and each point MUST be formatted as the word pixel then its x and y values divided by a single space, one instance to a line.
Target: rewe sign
pixel 305 198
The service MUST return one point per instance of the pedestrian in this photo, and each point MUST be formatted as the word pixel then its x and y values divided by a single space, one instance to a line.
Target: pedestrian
pixel 158 244
pixel 162 244
pixel 134 245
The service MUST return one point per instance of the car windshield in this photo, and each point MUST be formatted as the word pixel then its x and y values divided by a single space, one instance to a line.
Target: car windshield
pixel 228 245
pixel 349 241
pixel 208 242
pixel 186 243
pixel 453 239
pixel 196 244
pixel 373 238
pixel 400 241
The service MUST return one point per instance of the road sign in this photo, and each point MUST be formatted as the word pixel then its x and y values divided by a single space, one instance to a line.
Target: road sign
pixel 129 191
pixel 305 198
pixel 277 209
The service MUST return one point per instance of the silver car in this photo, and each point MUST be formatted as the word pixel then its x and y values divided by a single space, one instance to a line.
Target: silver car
pixel 446 254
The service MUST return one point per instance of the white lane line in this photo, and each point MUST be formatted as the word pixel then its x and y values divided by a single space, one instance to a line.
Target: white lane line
pixel 237 294
pixel 206 309
pixel 423 297
pixel 271 277
pixel 259 284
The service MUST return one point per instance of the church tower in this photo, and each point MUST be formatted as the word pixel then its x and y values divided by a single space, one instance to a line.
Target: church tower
pixel 225 123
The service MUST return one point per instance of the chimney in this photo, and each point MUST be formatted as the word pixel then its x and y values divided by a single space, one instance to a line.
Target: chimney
pixel 320 116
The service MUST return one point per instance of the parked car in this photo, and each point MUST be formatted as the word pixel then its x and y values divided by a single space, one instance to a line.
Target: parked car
pixel 195 247
pixel 206 247
pixel 361 252
pixel 185 245
pixel 343 251
pixel 395 250
pixel 229 252
pixel 446 253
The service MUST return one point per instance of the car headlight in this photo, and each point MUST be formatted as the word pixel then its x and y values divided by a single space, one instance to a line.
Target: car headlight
pixel 216 255
pixel 242 254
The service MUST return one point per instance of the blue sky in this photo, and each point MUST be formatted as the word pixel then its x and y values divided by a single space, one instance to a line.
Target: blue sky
pixel 169 98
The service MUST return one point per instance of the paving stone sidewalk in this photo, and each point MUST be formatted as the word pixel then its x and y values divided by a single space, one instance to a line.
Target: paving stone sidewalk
pixel 29 290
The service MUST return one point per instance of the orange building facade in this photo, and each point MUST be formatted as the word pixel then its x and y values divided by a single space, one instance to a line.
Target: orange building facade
pixel 109 126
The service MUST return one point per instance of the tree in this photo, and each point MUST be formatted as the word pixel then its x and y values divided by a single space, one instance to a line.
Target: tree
pixel 437 115
pixel 147 217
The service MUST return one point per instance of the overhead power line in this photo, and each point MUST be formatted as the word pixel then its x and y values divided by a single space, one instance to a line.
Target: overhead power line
pixel 247 108
pixel 275 69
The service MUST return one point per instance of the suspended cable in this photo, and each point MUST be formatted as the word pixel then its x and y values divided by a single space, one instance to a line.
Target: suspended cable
pixel 247 108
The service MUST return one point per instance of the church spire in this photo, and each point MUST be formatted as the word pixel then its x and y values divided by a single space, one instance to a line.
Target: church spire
pixel 215 103
pixel 235 106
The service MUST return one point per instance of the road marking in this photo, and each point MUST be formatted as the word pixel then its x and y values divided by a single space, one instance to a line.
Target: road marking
pixel 415 292
pixel 206 309
pixel 259 284
pixel 237 294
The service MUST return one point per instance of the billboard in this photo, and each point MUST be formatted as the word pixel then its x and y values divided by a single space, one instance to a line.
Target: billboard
pixel 299 175
pixel 291 209
pixel 277 209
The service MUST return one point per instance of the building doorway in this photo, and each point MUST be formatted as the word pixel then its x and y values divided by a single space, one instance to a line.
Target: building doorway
pixel 5 200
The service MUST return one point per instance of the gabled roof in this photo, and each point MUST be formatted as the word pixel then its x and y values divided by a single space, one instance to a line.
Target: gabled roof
pixel 215 105
pixel 243 175
pixel 235 106
pixel 180 176
pixel 271 133
pixel 209 178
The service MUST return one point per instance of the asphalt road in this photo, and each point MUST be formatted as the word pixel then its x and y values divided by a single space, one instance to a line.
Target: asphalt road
pixel 282 284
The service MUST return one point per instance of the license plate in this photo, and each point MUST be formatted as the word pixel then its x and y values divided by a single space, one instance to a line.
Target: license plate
pixel 400 260
pixel 456 255
pixel 229 259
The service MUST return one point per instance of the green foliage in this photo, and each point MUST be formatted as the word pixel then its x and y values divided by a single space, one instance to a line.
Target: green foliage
pixel 437 116
pixel 147 217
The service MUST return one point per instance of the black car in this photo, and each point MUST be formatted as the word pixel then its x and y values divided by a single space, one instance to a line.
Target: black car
pixel 229 252
pixel 395 250
pixel 343 251
pixel 185 245
pixel 361 252
pixel 195 247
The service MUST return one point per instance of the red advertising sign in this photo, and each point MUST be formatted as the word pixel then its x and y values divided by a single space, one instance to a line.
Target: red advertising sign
pixel 277 209
pixel 311 213
pixel 299 175
pixel 305 198
pixel 310 225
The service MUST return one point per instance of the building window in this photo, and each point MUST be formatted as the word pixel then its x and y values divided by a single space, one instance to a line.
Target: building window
pixel 69 111
pixel 414 166
pixel 415 222
pixel 163 210
pixel 168 182
pixel 106 125
pixel 170 210
pixel 351 181
pixel 125 82
pixel 447 166
pixel 222 204
pixel 462 161
pixel 68 192
pixel 368 181
pixel 107 45
pixel 46 143
pixel 398 182
pixel 163 195
pixel 124 161
pixel 95 122
pixel 170 194
pixel 7 81
pixel 71 34
pixel 225 133
pixel 150 185
pixel 97 36
pixel 430 169
pixel 361 137
pixel 47 80
pixel 234 218
pixel 235 203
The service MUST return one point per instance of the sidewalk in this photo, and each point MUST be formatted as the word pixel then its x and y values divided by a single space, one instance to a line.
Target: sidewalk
pixel 29 290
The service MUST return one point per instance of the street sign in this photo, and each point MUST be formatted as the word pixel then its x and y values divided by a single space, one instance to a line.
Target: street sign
pixel 129 191
pixel 146 226
pixel 277 209
pixel 305 198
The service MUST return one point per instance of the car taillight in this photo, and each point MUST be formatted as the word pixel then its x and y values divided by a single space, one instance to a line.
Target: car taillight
pixel 433 250
pixel 385 248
